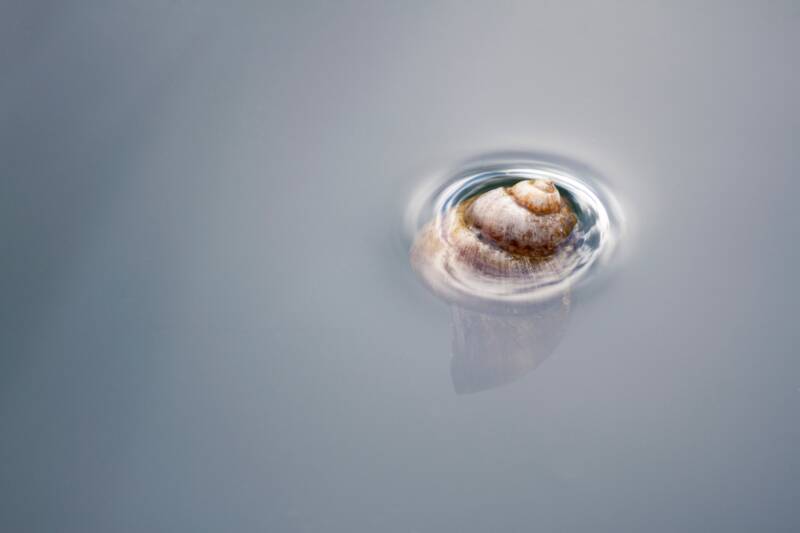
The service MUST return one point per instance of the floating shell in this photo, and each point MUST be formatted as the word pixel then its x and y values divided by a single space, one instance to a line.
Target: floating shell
pixel 507 232
pixel 506 259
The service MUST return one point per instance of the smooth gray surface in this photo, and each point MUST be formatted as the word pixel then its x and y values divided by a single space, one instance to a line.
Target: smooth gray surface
pixel 209 322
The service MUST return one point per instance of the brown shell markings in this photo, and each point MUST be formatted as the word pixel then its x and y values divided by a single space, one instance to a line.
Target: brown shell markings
pixel 507 231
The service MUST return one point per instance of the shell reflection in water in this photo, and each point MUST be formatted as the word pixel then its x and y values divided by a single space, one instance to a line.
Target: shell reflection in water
pixel 492 349
pixel 504 248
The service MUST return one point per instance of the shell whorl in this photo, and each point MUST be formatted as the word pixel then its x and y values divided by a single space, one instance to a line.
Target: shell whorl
pixel 538 196
pixel 507 232
pixel 529 219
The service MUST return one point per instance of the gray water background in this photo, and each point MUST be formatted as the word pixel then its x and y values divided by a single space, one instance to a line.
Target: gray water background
pixel 208 318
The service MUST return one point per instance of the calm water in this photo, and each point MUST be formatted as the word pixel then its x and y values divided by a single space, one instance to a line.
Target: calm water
pixel 210 323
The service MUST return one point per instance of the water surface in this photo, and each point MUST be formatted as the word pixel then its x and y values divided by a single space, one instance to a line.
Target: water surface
pixel 210 322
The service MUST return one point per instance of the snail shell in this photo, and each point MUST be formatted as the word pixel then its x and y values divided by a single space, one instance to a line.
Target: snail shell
pixel 507 231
